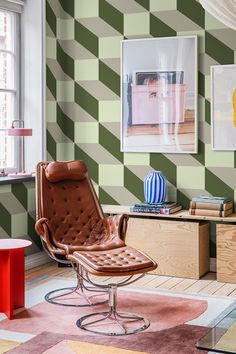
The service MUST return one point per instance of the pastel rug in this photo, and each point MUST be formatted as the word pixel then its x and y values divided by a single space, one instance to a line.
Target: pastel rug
pixel 168 312
pixel 162 311
pixel 180 339
pixel 7 344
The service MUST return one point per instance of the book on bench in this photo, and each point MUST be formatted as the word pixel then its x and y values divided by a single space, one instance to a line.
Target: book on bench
pixel 162 208
pixel 208 212
pixel 211 206
pixel 211 199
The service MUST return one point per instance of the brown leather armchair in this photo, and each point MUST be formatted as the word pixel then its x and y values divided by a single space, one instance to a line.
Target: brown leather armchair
pixel 71 223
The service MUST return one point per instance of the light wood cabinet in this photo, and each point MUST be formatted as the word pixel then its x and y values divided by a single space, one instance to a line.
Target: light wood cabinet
pixel 179 242
pixel 226 253
pixel 180 248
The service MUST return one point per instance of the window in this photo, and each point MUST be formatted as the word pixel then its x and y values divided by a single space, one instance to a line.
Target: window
pixel 22 82
pixel 9 87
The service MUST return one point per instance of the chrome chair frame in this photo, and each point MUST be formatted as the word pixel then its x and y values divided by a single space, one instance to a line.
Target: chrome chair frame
pixel 112 314
pixel 54 296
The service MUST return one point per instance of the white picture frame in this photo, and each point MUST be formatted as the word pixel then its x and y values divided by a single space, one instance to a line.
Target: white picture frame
pixel 160 114
pixel 223 107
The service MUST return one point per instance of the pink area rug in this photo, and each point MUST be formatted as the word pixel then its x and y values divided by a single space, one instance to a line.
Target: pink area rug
pixel 162 311
pixel 180 339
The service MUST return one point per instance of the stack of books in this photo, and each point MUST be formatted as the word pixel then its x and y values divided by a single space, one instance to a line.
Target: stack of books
pixel 211 206
pixel 160 208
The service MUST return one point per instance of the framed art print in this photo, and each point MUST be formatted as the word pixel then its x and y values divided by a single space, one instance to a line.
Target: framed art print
pixel 159 95
pixel 223 107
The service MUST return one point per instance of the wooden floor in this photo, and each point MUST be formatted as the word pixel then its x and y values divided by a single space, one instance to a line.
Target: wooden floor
pixel 207 285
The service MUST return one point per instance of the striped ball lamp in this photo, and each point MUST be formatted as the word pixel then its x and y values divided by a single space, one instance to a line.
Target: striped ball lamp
pixel 155 185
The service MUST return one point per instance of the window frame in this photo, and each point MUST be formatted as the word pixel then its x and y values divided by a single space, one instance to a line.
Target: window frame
pixel 16 90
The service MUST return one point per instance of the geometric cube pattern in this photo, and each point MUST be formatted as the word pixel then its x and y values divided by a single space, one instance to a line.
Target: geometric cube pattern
pixel 83 94
pixel 17 209
pixel 83 104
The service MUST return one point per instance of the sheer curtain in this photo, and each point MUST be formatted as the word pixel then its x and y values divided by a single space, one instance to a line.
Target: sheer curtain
pixel 223 10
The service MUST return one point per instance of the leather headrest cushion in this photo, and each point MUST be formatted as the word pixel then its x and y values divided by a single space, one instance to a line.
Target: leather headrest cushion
pixel 59 171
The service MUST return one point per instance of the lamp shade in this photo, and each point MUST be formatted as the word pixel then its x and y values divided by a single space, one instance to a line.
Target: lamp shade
pixel 19 132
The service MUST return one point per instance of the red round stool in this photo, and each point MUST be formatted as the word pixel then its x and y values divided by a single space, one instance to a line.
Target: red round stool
pixel 12 275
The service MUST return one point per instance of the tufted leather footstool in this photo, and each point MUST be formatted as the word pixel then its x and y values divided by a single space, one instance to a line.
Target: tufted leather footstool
pixel 120 261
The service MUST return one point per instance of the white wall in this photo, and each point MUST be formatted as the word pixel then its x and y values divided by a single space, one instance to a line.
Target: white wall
pixel 33 61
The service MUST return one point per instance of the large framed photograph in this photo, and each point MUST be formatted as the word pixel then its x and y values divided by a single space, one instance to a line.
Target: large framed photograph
pixel 159 95
pixel 223 107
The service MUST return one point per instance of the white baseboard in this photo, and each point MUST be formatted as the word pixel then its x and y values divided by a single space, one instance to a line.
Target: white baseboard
pixel 36 259
pixel 213 265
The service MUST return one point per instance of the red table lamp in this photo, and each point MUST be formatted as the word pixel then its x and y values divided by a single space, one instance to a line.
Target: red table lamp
pixel 21 132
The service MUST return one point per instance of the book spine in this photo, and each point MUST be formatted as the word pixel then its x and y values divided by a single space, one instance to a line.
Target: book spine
pixel 206 212
pixel 211 206
pixel 156 210
pixel 170 210
pixel 160 205
pixel 210 200
pixel 145 210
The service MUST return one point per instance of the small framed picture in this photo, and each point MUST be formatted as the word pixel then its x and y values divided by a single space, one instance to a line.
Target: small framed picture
pixel 223 107
pixel 152 77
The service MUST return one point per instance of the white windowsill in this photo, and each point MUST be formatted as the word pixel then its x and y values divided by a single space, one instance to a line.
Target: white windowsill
pixel 12 180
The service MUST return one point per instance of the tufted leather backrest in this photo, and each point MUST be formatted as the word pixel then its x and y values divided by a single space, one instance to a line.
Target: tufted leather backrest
pixel 67 199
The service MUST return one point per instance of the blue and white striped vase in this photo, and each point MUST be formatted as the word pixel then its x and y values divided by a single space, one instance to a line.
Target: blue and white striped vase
pixel 155 186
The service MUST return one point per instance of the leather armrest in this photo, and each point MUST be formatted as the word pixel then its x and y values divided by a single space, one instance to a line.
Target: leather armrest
pixel 43 230
pixel 118 225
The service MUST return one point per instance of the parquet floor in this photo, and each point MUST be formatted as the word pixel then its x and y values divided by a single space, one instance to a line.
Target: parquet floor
pixel 207 285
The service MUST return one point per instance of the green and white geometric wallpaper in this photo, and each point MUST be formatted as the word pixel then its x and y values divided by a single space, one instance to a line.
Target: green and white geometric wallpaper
pixel 83 94
pixel 83 103
pixel 17 213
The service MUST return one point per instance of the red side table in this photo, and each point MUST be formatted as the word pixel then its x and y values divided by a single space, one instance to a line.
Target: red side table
pixel 12 275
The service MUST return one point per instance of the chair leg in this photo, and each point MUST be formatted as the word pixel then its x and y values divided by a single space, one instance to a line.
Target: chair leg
pixel 122 323
pixel 63 297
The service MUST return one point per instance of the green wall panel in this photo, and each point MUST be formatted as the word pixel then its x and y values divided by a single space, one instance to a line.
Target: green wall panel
pixel 208 111
pixel 160 29
pixel 144 3
pixel 5 220
pixel 51 82
pixel 86 38
pixel 66 62
pixel 94 100
pixel 51 19
pixel 110 142
pixel 216 186
pixel 20 192
pixel 65 123
pixel 96 97
pixel 68 6
pixel 193 10
pixel 160 162
pixel 90 163
pixel 133 183
pixel 51 145
pixel 105 198
pixel 85 100
pixel 200 156
pixel 218 50
pixel 111 15
pixel 110 78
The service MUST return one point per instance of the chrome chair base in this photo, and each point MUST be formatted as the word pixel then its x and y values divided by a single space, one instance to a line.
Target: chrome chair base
pixel 62 297
pixel 122 323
